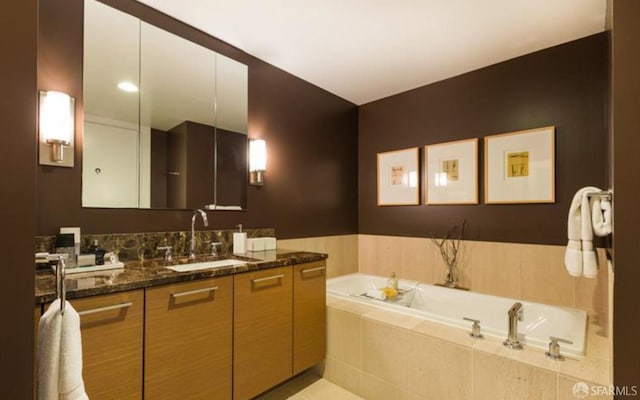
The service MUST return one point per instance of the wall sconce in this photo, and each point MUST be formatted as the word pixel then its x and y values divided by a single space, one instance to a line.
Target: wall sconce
pixel 257 161
pixel 57 127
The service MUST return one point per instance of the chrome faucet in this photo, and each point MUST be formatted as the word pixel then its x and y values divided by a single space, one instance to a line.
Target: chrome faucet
pixel 192 248
pixel 515 314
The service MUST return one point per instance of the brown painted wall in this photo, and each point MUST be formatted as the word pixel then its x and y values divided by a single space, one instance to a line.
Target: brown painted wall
pixel 626 141
pixel 310 133
pixel 562 86
pixel 18 44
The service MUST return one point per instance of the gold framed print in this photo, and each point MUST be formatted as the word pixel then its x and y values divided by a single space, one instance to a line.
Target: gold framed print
pixel 398 177
pixel 519 167
pixel 451 172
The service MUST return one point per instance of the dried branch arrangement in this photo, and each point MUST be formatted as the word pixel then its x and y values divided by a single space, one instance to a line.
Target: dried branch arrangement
pixel 449 247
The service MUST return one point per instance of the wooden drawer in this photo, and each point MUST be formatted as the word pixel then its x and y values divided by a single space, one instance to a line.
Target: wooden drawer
pixel 262 345
pixel 188 340
pixel 112 345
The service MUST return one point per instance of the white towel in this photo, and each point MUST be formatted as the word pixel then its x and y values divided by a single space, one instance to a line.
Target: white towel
pixel 60 355
pixel 580 235
pixel 601 217
pixel 589 260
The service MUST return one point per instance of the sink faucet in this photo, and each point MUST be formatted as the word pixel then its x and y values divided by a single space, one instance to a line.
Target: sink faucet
pixel 515 314
pixel 192 249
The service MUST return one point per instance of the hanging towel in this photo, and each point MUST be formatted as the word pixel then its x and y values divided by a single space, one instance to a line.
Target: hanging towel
pixel 60 355
pixel 601 217
pixel 49 332
pixel 574 258
pixel 589 260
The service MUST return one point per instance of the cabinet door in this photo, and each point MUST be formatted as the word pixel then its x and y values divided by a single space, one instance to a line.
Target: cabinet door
pixel 188 340
pixel 111 327
pixel 262 331
pixel 309 315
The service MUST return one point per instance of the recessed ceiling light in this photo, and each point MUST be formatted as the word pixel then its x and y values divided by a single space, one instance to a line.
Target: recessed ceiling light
pixel 127 87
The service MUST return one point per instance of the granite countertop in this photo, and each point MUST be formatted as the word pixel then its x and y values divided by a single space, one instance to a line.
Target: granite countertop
pixel 137 274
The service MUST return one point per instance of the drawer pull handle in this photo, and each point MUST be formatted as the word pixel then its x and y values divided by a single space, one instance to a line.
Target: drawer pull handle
pixel 190 292
pixel 305 271
pixel 108 308
pixel 267 278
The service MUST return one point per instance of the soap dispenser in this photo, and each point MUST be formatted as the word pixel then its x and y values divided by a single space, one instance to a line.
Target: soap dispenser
pixel 98 251
pixel 392 282
pixel 239 241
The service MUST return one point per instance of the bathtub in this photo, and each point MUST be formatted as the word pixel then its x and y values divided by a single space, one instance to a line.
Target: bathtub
pixel 449 306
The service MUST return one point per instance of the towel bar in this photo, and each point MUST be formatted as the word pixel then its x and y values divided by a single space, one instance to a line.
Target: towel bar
pixel 608 194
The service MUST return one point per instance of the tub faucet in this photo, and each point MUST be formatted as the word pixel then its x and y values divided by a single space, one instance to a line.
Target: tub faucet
pixel 515 314
pixel 192 248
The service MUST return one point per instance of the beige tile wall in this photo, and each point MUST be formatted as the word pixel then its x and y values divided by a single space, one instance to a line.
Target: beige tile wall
pixel 379 354
pixel 523 271
pixel 342 251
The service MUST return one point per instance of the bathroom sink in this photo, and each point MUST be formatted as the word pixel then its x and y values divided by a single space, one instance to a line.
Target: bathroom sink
pixel 206 265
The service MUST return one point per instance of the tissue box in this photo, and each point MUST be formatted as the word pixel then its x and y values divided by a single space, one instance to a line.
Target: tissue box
pixel 269 243
pixel 255 244
pixel 86 260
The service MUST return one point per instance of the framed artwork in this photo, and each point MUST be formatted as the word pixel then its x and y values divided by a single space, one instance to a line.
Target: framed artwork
pixel 519 167
pixel 451 172
pixel 398 178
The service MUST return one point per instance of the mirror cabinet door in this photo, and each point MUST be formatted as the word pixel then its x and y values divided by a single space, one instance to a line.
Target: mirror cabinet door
pixel 232 105
pixel 180 140
pixel 178 89
pixel 110 143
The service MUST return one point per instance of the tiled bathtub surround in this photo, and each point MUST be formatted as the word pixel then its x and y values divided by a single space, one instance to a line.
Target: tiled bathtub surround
pixel 379 354
pixel 128 244
pixel 342 250
pixel 522 271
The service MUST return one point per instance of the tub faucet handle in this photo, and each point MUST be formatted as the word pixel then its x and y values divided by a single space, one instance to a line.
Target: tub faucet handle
pixel 554 348
pixel 475 329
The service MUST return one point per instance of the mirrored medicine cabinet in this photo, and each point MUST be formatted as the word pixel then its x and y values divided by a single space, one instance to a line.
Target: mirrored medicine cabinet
pixel 165 119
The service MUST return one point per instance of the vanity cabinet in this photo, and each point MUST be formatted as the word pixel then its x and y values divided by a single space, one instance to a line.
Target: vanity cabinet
pixel 234 336
pixel 262 346
pixel 309 315
pixel 188 342
pixel 111 328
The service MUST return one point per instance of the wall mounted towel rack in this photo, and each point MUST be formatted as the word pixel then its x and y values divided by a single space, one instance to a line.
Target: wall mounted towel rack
pixel 605 194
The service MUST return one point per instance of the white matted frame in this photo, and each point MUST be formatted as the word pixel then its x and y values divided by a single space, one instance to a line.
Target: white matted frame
pixel 398 178
pixel 519 167
pixel 451 172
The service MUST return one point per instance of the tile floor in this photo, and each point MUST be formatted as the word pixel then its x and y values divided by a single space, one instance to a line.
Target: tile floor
pixel 308 386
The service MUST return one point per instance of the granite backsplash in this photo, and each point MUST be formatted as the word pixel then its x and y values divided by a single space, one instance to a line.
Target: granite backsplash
pixel 133 246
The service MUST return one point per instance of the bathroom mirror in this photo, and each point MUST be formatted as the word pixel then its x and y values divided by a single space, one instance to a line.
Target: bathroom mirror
pixel 178 138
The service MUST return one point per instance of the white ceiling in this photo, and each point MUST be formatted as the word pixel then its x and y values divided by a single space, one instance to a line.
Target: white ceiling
pixel 364 50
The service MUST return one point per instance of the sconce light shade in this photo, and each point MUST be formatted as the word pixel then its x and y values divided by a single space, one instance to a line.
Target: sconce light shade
pixel 257 161
pixel 57 127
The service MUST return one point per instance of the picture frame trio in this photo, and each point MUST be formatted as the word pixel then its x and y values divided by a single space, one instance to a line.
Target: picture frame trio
pixel 519 168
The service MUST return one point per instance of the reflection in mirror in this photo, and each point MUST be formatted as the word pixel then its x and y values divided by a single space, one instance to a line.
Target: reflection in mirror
pixel 187 142
pixel 232 99
pixel 178 108
pixel 111 145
